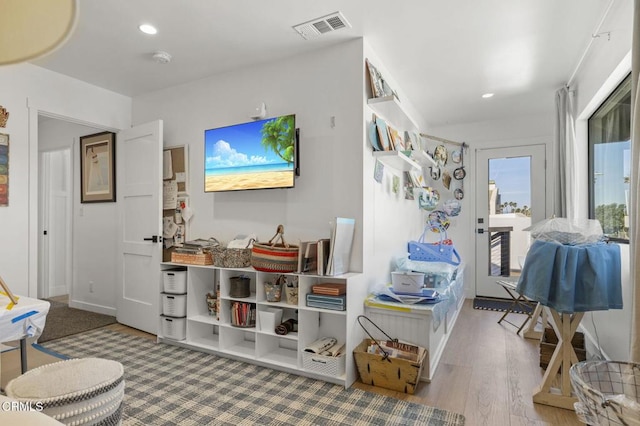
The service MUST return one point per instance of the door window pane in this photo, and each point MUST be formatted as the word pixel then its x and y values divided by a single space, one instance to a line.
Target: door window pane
pixel 509 213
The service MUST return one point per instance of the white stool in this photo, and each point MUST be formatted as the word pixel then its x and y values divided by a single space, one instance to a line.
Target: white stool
pixel 85 391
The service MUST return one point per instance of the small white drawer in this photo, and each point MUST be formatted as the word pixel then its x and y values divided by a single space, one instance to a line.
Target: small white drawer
pixel 174 305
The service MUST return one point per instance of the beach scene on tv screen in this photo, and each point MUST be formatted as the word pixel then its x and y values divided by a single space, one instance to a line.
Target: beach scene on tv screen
pixel 254 155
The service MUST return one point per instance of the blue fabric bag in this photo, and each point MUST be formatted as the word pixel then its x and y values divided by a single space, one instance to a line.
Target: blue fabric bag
pixel 441 251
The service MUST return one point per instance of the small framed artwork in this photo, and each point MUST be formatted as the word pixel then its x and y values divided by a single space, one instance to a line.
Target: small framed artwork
pixel 98 167
pixel 375 78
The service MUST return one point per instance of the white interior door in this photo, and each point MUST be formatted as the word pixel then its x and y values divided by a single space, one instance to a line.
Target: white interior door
pixel 510 196
pixel 138 188
pixel 55 223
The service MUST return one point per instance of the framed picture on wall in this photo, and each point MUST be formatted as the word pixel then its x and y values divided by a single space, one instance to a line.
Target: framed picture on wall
pixel 97 168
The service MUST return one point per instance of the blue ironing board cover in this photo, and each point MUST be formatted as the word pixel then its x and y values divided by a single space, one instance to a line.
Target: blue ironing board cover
pixel 573 278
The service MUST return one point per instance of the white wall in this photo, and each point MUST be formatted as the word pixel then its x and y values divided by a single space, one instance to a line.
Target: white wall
pixel 605 66
pixel 94 224
pixel 25 89
pixel 316 86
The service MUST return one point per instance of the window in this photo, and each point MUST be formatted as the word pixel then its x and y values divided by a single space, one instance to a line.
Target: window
pixel 610 161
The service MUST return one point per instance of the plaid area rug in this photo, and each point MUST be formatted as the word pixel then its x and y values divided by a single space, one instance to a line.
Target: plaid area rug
pixel 169 385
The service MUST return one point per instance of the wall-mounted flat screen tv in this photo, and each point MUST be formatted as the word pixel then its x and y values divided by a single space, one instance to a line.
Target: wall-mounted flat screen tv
pixel 255 155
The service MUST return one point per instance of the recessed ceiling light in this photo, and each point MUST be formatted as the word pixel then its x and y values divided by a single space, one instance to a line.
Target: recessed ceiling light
pixel 148 29
pixel 487 95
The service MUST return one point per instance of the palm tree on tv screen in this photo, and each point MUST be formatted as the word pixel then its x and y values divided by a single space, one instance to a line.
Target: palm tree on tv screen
pixel 278 135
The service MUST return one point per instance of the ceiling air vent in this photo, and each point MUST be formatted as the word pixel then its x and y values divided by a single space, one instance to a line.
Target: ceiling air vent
pixel 319 26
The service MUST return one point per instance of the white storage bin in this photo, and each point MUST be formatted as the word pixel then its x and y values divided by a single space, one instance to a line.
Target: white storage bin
pixel 174 328
pixel 270 318
pixel 175 281
pixel 174 305
pixel 327 365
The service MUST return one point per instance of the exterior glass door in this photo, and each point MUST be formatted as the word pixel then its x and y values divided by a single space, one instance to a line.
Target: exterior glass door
pixel 510 192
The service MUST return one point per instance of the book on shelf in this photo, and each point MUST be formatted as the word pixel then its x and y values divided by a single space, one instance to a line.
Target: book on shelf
pixel 324 245
pixel 383 134
pixel 329 289
pixel 310 261
pixel 335 303
pixel 341 243
pixel 198 246
pixel 302 251
pixel 320 345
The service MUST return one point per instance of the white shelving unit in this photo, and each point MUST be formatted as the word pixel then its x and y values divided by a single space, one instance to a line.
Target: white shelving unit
pixel 263 346
pixel 390 109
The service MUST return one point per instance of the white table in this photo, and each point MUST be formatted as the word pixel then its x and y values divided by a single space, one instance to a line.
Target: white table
pixel 20 321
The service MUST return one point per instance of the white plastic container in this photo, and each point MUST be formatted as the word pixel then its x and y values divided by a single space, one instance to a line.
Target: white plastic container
pixel 175 281
pixel 270 318
pixel 174 305
pixel 174 328
pixel 326 365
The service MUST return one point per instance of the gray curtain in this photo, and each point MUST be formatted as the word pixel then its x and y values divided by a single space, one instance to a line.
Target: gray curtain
pixel 635 185
pixel 565 201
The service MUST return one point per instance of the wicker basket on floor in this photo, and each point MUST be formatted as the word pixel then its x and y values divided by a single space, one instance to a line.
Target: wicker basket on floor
pixel 608 392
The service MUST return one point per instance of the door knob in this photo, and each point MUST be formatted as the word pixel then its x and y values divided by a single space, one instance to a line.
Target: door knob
pixel 153 239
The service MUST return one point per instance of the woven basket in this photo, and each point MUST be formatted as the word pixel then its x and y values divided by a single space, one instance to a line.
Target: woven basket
pixel 275 257
pixel 231 257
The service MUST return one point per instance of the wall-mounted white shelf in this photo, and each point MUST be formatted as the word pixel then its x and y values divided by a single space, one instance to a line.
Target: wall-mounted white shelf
pixel 397 160
pixel 389 108
pixel 423 158
pixel 400 161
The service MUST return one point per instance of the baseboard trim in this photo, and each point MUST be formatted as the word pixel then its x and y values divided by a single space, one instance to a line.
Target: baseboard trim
pixel 105 310
pixel 591 346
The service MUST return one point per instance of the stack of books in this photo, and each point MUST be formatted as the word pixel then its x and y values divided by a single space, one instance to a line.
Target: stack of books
pixel 198 246
pixel 328 296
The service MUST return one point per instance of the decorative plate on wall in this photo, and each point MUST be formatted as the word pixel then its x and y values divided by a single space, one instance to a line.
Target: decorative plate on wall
pixel 452 207
pixel 446 179
pixel 440 155
pixel 435 173
pixel 438 221
pixel 428 199
pixel 459 173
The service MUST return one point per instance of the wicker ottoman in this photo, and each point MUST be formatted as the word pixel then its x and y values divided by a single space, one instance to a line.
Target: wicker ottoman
pixel 85 391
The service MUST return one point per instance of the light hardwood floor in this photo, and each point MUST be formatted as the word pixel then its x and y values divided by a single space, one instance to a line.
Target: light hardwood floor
pixel 487 372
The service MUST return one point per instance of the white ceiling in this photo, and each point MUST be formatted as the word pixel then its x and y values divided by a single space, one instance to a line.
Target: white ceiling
pixel 444 54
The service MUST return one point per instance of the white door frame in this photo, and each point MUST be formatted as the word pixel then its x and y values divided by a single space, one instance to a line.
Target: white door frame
pixel 34 232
